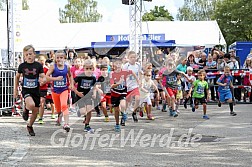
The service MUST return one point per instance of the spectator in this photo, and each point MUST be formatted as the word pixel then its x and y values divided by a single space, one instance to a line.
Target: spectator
pixel 190 61
pixel 203 60
pixel 182 66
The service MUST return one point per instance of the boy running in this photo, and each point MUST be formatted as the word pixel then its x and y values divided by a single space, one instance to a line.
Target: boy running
pixel 104 83
pixel 132 84
pixel 199 86
pixel 31 71
pixel 119 91
pixel 225 95
pixel 86 93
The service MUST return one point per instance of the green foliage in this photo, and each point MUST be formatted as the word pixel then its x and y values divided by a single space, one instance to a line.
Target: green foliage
pixel 235 19
pixel 78 11
pixel 196 10
pixel 25 5
pixel 3 5
pixel 158 14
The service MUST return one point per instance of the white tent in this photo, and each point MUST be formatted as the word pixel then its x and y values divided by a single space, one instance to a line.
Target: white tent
pixel 47 33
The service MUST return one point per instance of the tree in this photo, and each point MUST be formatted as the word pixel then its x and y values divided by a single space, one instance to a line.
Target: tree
pixel 78 11
pixel 196 10
pixel 25 5
pixel 158 14
pixel 3 5
pixel 234 19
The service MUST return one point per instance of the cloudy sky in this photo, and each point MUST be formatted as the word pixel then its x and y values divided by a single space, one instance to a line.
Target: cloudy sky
pixel 112 10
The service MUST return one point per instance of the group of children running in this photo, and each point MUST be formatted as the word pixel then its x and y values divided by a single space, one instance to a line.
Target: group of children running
pixel 126 84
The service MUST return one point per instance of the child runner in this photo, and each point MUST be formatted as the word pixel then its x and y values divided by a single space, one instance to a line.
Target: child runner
pixel 30 71
pixel 104 83
pixel 119 91
pixel 188 84
pixel 76 70
pixel 169 81
pixel 132 84
pixel 86 93
pixel 225 83
pixel 43 91
pixel 145 90
pixel 49 100
pixel 179 94
pixel 60 73
pixel 199 86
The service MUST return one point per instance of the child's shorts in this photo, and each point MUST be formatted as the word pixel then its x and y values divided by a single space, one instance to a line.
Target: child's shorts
pixel 223 96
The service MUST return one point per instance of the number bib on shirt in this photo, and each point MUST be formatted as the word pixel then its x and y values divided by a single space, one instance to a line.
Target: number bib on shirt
pixel 59 84
pixel 107 89
pixel 200 89
pixel 171 79
pixel 30 83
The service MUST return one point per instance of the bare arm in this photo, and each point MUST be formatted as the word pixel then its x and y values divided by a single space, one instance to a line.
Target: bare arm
pixel 18 75
pixel 49 73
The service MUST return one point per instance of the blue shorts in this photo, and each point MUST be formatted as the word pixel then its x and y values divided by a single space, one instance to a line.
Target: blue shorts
pixel 223 96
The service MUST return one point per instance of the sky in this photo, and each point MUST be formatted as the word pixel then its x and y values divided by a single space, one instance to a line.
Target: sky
pixel 112 10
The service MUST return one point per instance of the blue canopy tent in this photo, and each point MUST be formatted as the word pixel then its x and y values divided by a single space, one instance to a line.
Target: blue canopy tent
pixel 125 44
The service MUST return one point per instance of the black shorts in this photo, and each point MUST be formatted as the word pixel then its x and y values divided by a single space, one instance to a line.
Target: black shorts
pixel 49 101
pixel 35 96
pixel 43 93
pixel 83 101
pixel 160 90
pixel 115 101
pixel 199 100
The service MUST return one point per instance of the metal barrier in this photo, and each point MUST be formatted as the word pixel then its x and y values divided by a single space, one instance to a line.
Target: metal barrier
pixel 7 82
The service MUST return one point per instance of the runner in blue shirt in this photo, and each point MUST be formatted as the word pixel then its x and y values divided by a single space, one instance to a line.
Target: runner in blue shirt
pixel 225 95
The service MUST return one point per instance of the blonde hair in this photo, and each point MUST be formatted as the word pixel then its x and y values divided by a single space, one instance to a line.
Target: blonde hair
pixel 28 47
pixel 59 52
pixel 88 62
pixel 227 68
pixel 42 57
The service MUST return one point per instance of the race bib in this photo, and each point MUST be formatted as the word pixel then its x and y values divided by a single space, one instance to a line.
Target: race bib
pixel 179 87
pixel 30 83
pixel 59 84
pixel 171 79
pixel 107 89
pixel 200 90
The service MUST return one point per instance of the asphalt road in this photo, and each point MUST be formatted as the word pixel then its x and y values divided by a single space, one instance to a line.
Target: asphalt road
pixel 187 140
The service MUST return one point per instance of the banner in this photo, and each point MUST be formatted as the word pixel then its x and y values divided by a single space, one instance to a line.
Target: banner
pixel 125 37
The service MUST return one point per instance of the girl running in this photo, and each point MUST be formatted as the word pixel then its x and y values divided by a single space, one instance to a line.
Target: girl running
pixel 60 73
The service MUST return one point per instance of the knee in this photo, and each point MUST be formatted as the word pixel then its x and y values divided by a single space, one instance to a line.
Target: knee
pixel 64 109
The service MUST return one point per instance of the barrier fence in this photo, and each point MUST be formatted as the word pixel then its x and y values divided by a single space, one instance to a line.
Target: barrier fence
pixel 7 77
pixel 242 91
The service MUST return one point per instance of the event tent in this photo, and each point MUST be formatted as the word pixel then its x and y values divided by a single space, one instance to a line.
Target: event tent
pixel 49 34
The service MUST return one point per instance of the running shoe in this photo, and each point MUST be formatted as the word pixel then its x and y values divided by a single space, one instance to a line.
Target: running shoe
pixel 185 105
pixel 193 108
pixel 117 128
pixel 205 117
pixel 174 113
pixel 53 116
pixel 40 121
pixel 106 119
pixel 233 113
pixel 25 115
pixel 150 117
pixel 158 108
pixel 123 119
pixel 30 130
pixel 171 111
pixel 219 104
pixel 88 129
pixel 134 116
pixel 66 127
